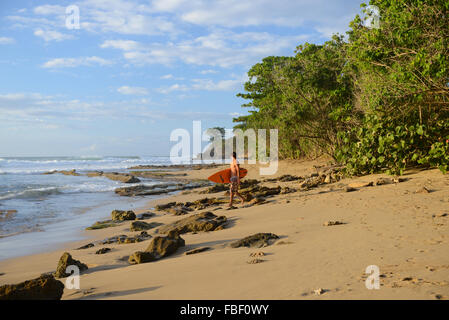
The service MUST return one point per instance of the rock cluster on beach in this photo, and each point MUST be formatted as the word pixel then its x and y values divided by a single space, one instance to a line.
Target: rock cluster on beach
pixel 124 239
pixel 46 287
pixel 143 226
pixel 65 261
pixel 202 222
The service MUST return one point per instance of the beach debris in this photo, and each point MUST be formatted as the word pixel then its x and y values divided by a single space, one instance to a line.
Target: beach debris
pixel 319 291
pixel 197 250
pixel 333 223
pixel 423 190
pixel 205 221
pixel 159 247
pixel 119 215
pixel 145 215
pixel 142 226
pixel 258 240
pixel 87 246
pixel 102 225
pixel 257 254
pixel 124 239
pixel 46 287
pixel 103 250
pixel 255 261
pixel 65 261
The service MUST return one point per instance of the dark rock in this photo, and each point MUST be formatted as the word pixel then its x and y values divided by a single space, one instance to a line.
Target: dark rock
pixel 164 246
pixel 142 226
pixel 205 221
pixel 45 287
pixel 159 247
pixel 141 257
pixel 124 239
pixel 102 225
pixel 65 261
pixel 87 246
pixel 255 241
pixel 103 251
pixel 145 215
pixel 119 215
pixel 350 189
pixel 162 207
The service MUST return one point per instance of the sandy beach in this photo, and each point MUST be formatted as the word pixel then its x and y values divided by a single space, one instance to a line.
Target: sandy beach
pixel 400 226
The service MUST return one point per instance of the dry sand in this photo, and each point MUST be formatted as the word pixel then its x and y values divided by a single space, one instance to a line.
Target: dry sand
pixel 405 234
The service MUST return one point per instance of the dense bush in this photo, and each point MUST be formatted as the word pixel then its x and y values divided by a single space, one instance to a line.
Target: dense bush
pixel 379 101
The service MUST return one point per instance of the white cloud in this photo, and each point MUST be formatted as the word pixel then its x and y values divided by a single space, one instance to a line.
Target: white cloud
pixel 167 76
pixel 76 62
pixel 208 71
pixel 206 85
pixel 219 48
pixel 6 40
pixel 49 35
pixel 49 10
pixel 126 45
pixel 132 90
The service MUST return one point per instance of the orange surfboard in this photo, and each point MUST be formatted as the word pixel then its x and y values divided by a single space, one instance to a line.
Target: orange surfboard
pixel 224 176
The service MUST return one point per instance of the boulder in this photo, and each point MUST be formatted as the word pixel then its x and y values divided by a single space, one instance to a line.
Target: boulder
pixel 164 246
pixel 141 257
pixel 65 261
pixel 119 215
pixel 205 221
pixel 103 251
pixel 159 247
pixel 255 241
pixel 46 287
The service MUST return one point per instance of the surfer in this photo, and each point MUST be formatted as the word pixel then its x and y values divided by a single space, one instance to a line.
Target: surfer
pixel 235 179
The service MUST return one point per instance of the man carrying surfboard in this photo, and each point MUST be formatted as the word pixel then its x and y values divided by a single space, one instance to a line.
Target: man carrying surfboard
pixel 235 180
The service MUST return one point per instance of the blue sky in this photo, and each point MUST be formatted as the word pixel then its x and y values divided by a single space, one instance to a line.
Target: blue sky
pixel 136 70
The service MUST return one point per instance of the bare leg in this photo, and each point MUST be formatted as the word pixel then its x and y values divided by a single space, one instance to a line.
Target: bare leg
pixel 240 196
pixel 231 197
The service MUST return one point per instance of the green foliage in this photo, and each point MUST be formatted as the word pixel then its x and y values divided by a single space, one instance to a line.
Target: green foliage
pixel 378 102
pixel 385 144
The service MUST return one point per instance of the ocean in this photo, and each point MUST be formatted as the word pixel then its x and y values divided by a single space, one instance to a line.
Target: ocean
pixel 39 211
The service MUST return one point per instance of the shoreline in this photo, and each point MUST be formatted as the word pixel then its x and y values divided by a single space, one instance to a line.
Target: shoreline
pixel 386 225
